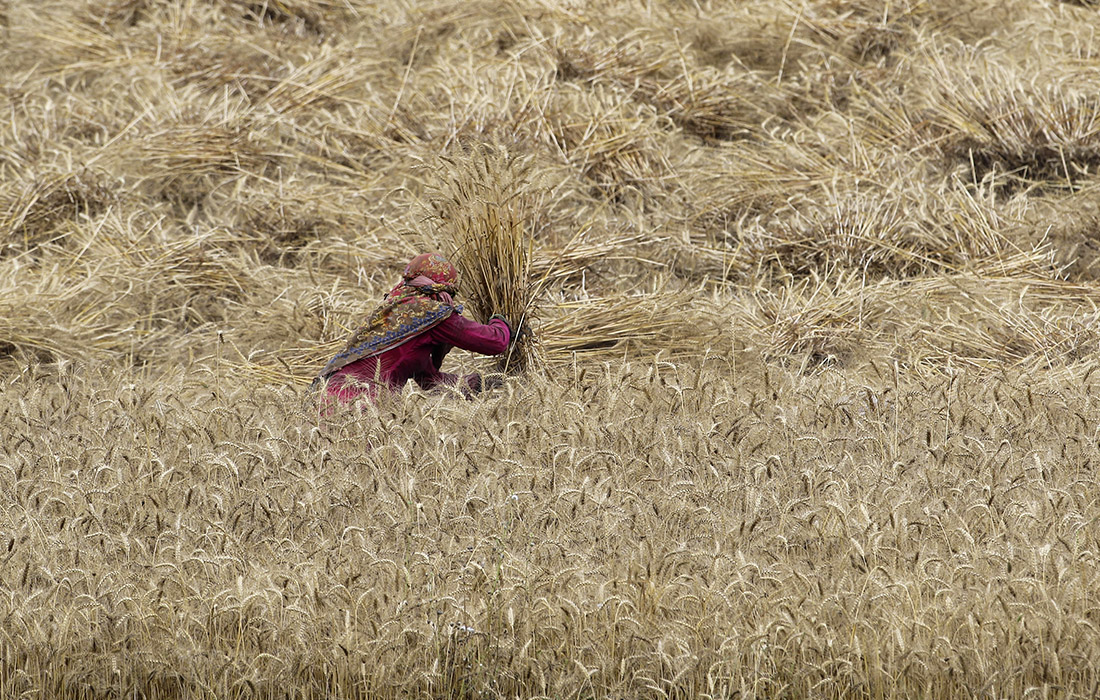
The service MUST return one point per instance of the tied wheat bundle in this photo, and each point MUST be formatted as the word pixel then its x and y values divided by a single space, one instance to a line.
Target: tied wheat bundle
pixel 482 206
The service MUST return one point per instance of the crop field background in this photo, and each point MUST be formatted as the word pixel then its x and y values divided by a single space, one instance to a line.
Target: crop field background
pixel 816 401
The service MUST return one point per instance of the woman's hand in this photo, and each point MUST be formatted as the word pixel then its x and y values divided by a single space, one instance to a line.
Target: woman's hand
pixel 502 317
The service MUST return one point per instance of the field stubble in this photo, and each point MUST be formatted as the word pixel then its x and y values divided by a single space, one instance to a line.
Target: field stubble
pixel 811 413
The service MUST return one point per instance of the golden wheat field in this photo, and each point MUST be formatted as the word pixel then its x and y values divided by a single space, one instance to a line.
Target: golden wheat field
pixel 810 409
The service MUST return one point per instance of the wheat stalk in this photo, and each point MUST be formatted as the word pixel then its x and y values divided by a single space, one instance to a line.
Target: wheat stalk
pixel 482 206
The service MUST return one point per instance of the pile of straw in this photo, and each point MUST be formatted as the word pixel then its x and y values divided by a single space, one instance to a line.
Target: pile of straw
pixel 601 326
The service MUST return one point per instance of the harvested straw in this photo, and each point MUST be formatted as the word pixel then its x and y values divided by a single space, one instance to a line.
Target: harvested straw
pixel 30 215
pixel 481 207
pixel 702 100
pixel 601 325
pixel 1020 132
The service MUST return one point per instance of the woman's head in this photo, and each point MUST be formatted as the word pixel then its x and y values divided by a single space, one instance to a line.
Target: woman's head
pixel 436 268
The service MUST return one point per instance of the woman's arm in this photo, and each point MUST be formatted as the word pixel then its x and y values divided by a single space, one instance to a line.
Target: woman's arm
pixel 489 339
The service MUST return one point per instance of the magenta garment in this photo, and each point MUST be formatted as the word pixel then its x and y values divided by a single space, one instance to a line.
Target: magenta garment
pixel 419 359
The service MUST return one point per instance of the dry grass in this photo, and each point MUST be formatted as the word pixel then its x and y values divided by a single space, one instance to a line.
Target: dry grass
pixel 811 411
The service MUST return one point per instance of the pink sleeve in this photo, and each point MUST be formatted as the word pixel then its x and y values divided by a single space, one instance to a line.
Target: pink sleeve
pixel 490 339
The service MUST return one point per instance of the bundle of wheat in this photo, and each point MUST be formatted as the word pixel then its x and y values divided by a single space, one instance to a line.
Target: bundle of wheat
pixel 701 100
pixel 578 255
pixel 1020 132
pixel 481 206
pixel 986 323
pixel 600 326
pixel 31 214
pixel 620 149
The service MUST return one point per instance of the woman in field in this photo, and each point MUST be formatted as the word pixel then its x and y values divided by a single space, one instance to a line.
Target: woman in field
pixel 408 336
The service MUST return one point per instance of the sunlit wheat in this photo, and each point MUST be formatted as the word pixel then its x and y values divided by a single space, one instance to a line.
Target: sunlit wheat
pixel 812 396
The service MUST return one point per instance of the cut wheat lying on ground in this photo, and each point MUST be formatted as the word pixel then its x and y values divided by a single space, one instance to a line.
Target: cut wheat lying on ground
pixel 806 404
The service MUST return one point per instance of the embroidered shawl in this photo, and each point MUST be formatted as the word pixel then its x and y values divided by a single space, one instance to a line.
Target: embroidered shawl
pixel 420 301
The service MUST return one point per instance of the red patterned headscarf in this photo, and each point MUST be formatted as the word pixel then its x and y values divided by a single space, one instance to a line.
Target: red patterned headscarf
pixel 436 268
pixel 420 301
